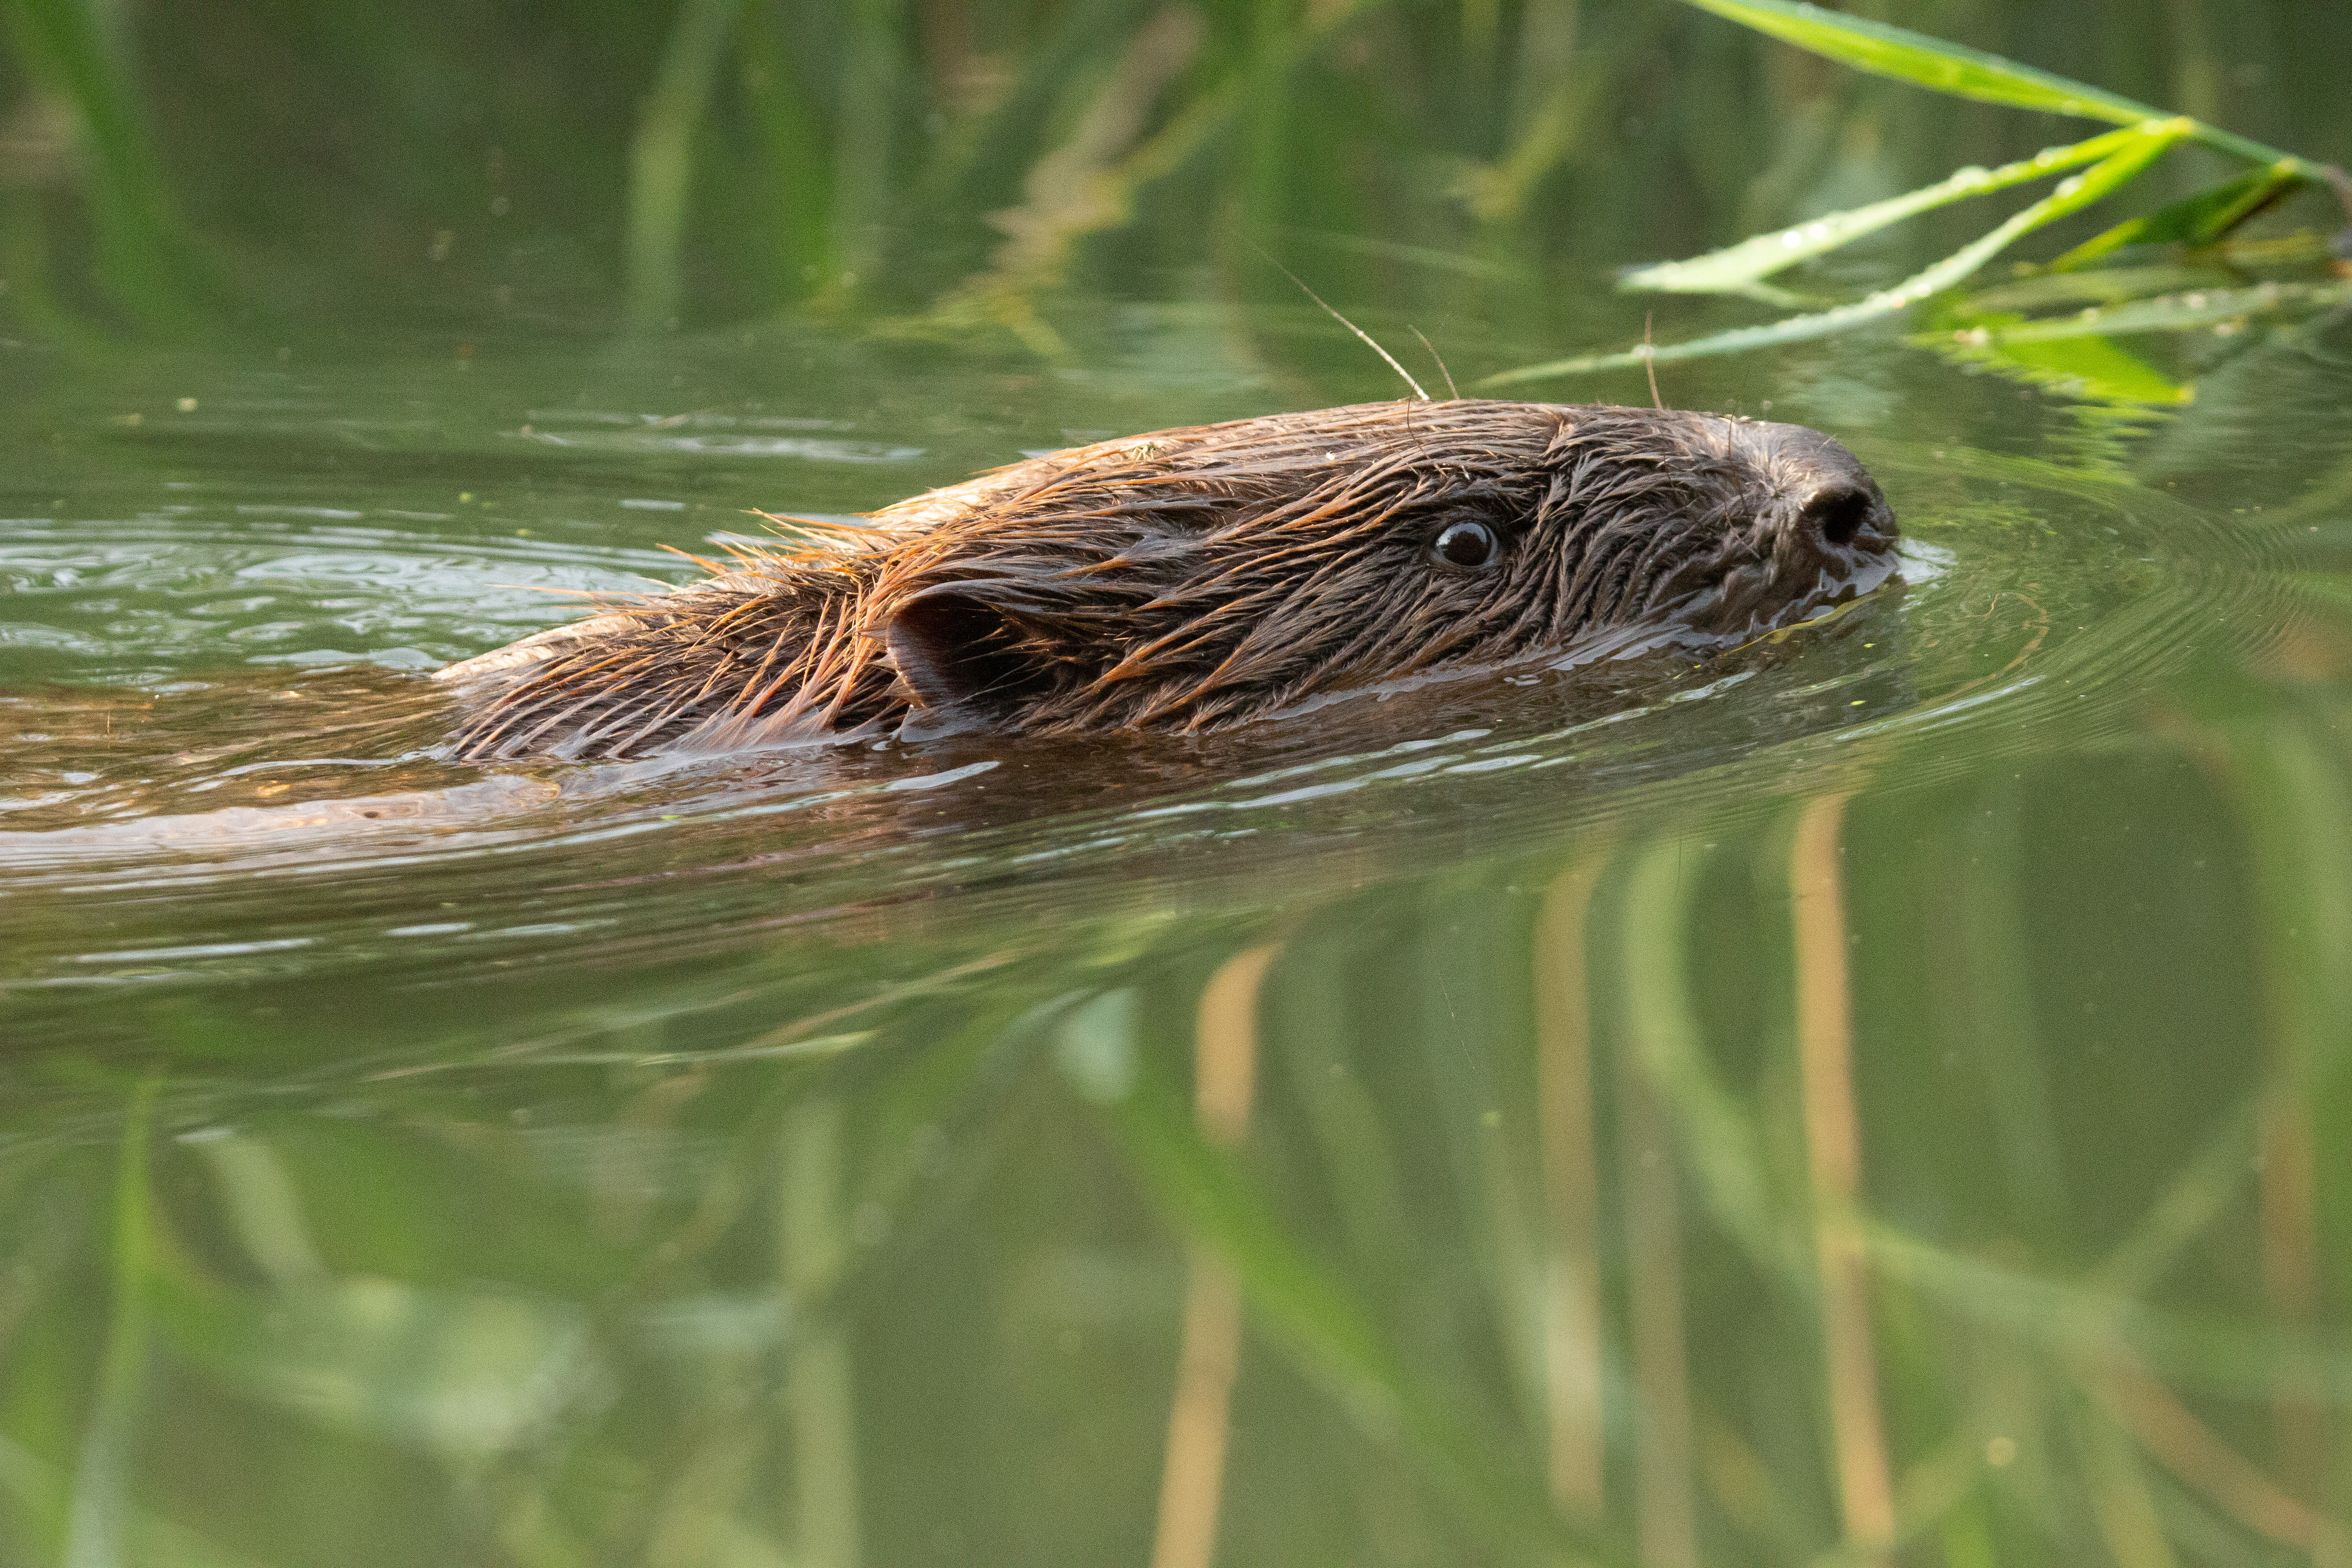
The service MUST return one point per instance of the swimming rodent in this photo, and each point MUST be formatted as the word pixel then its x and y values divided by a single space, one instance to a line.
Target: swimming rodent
pixel 1193 579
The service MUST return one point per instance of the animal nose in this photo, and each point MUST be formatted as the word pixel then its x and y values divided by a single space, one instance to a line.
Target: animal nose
pixel 1829 508
pixel 1834 515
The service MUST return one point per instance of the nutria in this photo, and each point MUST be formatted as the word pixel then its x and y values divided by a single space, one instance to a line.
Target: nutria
pixel 1193 579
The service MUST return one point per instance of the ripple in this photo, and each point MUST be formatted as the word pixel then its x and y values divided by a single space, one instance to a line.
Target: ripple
pixel 147 598
pixel 2037 603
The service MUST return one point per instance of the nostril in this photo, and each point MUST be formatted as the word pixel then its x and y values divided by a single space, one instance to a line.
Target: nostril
pixel 1836 515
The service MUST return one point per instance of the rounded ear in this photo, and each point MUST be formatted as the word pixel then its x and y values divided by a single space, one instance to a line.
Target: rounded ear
pixel 956 652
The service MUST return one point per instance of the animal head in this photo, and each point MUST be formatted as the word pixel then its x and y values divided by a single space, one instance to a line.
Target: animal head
pixel 1198 577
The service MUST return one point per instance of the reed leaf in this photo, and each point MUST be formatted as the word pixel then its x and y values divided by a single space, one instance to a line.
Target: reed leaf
pixel 661 163
pixel 2087 367
pixel 142 258
pixel 99 1515
pixel 2105 286
pixel 2173 312
pixel 1906 56
pixel 2199 220
pixel 1735 267
pixel 2138 147
pixel 1886 50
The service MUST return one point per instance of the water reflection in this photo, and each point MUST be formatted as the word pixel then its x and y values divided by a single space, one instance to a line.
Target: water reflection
pixel 1653 1196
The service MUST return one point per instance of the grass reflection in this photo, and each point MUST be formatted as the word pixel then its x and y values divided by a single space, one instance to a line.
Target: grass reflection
pixel 1563 1240
pixel 1573 1330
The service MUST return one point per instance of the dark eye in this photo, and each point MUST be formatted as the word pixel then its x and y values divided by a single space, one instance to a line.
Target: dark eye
pixel 1467 544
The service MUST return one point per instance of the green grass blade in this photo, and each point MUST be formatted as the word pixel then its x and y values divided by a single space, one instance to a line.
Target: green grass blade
pixel 1739 265
pixel 661 159
pixel 2101 286
pixel 2232 1355
pixel 1726 1167
pixel 2132 154
pixel 2199 220
pixel 99 1518
pixel 1210 1201
pixel 1890 51
pixel 2088 368
pixel 142 255
pixel 2175 314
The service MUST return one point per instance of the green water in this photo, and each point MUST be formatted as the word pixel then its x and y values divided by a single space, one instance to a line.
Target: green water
pixel 1881 1096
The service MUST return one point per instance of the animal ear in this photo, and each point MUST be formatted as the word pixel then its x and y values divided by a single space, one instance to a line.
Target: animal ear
pixel 955 651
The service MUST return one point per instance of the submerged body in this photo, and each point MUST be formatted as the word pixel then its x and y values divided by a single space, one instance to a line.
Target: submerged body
pixel 1193 579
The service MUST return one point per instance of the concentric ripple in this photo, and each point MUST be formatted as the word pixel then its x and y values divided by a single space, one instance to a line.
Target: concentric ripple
pixel 222 757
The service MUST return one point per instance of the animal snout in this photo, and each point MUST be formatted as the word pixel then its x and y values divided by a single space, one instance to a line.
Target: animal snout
pixel 1829 509
pixel 1830 512
pixel 1835 514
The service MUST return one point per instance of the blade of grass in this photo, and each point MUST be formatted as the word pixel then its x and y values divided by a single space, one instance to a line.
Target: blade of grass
pixel 2200 219
pixel 2208 1183
pixel 1722 271
pixel 38 1495
pixel 2087 367
pixel 1883 49
pixel 797 197
pixel 142 257
pixel 2132 154
pixel 462 1373
pixel 2173 1437
pixel 1663 1492
pixel 2121 1503
pixel 99 1517
pixel 1833 1158
pixel 1716 1134
pixel 1499 192
pixel 1474 1095
pixel 1067 193
pixel 1573 1331
pixel 819 1396
pixel 871 71
pixel 661 158
pixel 2085 1321
pixel 2294 805
pixel 2178 312
pixel 1224 1079
pixel 2103 286
pixel 1204 1194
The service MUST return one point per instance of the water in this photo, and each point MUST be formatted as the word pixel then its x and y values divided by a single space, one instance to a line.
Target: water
pixel 1878 1094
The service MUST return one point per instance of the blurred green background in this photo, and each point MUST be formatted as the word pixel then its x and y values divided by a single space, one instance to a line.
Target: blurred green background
pixel 949 167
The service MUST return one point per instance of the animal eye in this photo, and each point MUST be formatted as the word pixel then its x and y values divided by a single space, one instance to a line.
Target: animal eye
pixel 1467 544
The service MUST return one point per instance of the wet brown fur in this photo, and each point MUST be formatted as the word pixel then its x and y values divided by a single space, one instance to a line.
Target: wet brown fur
pixel 1197 578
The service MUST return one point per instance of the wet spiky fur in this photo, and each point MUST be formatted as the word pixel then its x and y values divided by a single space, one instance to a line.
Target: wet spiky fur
pixel 1196 578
